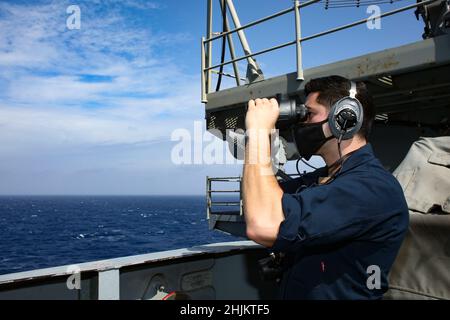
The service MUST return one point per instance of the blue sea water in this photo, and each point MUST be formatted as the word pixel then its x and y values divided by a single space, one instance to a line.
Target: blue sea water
pixel 47 231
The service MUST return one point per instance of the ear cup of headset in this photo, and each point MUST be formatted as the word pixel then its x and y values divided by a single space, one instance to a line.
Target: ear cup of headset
pixel 345 118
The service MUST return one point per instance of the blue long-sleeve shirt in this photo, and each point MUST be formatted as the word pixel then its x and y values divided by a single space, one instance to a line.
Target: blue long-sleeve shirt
pixel 337 236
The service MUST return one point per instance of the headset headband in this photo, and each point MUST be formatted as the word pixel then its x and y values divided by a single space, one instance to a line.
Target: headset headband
pixel 352 92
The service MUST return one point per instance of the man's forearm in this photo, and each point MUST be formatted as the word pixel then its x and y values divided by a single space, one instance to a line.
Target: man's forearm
pixel 261 192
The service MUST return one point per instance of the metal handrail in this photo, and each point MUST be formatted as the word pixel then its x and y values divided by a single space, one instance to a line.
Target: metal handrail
pixel 251 24
pixel 322 33
pixel 226 204
pixel 236 179
pixel 206 78
pixel 252 54
pixel 298 39
pixel 389 13
pixel 210 203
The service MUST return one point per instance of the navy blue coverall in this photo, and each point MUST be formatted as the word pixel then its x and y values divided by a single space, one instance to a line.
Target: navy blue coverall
pixel 335 235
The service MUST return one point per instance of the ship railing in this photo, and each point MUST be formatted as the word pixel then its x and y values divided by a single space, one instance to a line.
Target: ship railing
pixel 236 190
pixel 206 43
pixel 211 203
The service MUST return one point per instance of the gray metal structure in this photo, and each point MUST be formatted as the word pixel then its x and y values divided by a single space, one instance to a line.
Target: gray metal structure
pixel 406 81
pixel 225 214
pixel 202 272
pixel 410 85
pixel 411 88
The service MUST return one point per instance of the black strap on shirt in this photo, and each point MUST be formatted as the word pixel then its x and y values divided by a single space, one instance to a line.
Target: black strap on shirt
pixel 335 169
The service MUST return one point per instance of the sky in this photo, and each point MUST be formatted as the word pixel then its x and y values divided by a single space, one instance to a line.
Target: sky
pixel 93 111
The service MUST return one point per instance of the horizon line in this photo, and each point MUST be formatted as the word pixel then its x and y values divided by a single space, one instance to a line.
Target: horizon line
pixel 100 195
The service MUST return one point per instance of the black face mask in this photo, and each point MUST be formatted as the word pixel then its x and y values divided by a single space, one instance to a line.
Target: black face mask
pixel 309 137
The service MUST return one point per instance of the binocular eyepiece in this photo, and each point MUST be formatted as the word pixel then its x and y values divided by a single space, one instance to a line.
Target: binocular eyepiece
pixel 291 109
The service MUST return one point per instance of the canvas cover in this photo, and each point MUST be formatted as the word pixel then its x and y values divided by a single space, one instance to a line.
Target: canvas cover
pixel 422 267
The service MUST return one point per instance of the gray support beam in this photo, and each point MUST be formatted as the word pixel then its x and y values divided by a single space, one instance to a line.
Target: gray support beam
pixel 241 34
pixel 231 46
pixel 209 33
pixel 254 69
pixel 203 72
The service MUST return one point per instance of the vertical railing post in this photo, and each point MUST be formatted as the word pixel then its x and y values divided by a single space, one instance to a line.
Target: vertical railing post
pixel 202 75
pixel 109 284
pixel 240 197
pixel 298 36
pixel 208 197
pixel 209 33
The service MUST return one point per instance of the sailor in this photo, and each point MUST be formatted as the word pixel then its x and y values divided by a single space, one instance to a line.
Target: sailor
pixel 339 227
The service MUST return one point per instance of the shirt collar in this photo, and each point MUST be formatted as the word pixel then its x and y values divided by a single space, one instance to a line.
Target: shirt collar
pixel 359 157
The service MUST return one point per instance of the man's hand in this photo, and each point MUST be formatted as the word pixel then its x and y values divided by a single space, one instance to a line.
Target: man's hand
pixel 261 191
pixel 262 114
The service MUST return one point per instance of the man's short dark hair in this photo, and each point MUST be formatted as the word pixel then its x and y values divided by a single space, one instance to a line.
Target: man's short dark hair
pixel 333 88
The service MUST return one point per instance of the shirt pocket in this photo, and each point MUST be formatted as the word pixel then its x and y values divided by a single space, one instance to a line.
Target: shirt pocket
pixel 440 158
pixel 443 160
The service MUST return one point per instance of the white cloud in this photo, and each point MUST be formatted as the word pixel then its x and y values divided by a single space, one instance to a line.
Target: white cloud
pixel 56 119
pixel 45 63
pixel 138 4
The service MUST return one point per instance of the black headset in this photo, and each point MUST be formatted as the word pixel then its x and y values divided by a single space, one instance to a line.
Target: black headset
pixel 346 115
pixel 345 118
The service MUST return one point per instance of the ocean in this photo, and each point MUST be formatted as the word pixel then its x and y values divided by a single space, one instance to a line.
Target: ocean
pixel 48 231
